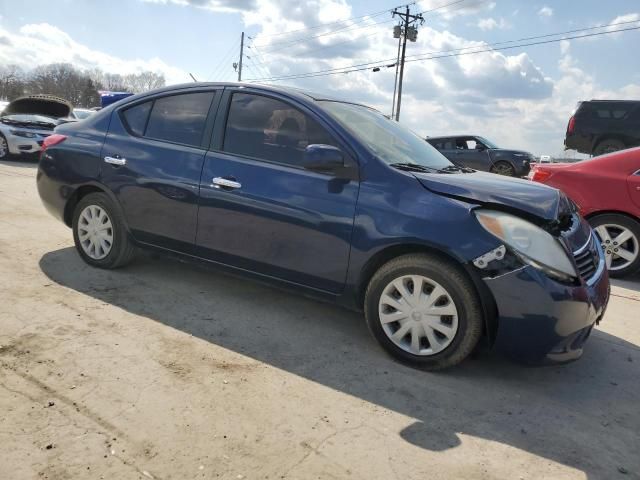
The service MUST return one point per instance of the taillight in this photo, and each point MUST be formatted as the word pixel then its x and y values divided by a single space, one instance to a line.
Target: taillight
pixel 572 124
pixel 540 175
pixel 52 140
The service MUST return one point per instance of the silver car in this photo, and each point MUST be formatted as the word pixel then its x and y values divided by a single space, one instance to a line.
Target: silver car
pixel 27 121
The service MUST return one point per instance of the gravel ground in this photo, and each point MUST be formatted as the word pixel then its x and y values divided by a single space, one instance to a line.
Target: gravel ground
pixel 166 370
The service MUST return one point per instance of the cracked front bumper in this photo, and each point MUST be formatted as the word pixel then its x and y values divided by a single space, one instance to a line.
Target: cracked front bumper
pixel 542 321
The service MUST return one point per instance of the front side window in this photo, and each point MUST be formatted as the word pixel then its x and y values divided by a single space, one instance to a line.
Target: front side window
pixel 269 129
pixel 179 118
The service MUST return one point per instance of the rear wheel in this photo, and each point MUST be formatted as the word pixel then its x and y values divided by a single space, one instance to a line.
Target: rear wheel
pixel 608 145
pixel 4 148
pixel 620 237
pixel 424 311
pixel 503 168
pixel 99 233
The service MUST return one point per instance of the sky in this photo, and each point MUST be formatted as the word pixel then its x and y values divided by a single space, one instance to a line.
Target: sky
pixel 518 98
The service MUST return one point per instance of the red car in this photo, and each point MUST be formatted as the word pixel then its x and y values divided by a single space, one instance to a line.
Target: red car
pixel 607 190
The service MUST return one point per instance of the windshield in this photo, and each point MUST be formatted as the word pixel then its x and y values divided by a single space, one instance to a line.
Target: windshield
pixel 487 143
pixel 387 139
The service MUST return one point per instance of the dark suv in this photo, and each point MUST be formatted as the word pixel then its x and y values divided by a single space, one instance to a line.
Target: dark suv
pixel 481 154
pixel 603 126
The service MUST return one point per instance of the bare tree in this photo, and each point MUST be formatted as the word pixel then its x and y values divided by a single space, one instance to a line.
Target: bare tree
pixel 144 81
pixel 11 82
pixel 80 87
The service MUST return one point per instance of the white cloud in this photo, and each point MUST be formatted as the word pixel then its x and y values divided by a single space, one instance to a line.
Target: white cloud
pixel 213 5
pixel 629 17
pixel 492 24
pixel 468 7
pixel 42 43
pixel 545 11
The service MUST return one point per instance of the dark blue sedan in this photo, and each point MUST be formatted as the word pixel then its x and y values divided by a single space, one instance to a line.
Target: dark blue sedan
pixel 332 199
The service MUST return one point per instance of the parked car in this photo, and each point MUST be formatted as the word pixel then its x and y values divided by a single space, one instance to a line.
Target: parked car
pixel 479 153
pixel 335 200
pixel 545 159
pixel 27 121
pixel 107 98
pixel 81 113
pixel 607 191
pixel 603 126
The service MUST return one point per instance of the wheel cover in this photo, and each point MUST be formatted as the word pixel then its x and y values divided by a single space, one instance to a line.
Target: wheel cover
pixel 620 245
pixel 95 232
pixel 4 147
pixel 418 315
pixel 503 169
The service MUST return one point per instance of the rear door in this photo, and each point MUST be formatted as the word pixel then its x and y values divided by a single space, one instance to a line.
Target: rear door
pixel 152 161
pixel 447 147
pixel 273 216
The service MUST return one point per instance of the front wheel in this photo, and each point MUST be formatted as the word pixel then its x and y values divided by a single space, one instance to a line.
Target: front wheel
pixel 4 148
pixel 424 311
pixel 99 233
pixel 503 168
pixel 620 238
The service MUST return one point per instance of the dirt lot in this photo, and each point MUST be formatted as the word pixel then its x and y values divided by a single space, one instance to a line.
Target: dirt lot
pixel 165 370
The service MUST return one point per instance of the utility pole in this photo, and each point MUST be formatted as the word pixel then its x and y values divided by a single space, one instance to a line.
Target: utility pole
pixel 409 32
pixel 396 32
pixel 241 55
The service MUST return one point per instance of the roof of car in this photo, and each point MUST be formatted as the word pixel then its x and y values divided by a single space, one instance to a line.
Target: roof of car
pixel 293 91
pixel 451 136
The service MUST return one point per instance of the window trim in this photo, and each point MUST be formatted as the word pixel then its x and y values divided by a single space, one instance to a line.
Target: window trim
pixel 208 123
pixel 217 140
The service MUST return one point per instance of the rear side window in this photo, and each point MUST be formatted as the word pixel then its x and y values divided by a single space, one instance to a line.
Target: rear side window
pixel 136 117
pixel 266 128
pixel 179 118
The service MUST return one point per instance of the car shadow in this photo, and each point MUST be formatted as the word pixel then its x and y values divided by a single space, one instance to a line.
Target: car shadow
pixel 632 282
pixel 584 415
pixel 21 162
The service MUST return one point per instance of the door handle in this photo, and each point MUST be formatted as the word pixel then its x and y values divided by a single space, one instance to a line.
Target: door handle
pixel 115 160
pixel 220 182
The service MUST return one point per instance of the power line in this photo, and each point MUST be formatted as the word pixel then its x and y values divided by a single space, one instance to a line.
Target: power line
pixel 226 58
pixel 382 62
pixel 350 27
pixel 322 25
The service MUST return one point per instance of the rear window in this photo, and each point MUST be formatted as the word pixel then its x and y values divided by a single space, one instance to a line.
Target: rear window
pixel 179 118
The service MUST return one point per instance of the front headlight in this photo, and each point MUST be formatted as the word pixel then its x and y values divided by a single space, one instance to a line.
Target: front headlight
pixel 22 133
pixel 531 243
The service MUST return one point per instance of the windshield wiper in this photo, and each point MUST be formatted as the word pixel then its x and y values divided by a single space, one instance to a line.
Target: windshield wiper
pixel 414 167
pixel 457 168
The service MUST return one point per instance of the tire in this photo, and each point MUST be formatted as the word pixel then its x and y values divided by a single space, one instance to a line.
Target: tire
pixel 120 252
pixel 608 226
pixel 4 148
pixel 458 294
pixel 503 168
pixel 608 145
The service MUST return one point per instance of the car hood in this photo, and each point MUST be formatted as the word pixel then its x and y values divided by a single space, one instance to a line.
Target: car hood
pixel 535 200
pixel 47 105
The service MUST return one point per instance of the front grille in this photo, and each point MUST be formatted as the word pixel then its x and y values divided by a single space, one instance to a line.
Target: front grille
pixel 587 259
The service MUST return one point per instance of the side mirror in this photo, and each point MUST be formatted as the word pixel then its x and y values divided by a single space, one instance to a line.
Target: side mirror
pixel 323 158
pixel 480 147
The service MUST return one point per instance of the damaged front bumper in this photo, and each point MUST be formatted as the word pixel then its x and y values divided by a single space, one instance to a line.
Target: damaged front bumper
pixel 543 321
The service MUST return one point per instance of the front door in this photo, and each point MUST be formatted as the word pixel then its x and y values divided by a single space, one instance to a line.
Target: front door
pixel 153 157
pixel 469 155
pixel 260 210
